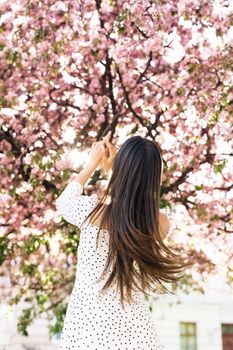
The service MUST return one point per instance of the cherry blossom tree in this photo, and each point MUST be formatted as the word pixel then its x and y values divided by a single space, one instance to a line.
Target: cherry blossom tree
pixel 73 70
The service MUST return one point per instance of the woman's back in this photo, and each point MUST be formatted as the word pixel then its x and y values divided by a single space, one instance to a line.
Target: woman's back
pixel 95 321
pixel 121 254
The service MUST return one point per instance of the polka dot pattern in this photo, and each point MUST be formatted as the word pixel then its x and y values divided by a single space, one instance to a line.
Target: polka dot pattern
pixel 96 321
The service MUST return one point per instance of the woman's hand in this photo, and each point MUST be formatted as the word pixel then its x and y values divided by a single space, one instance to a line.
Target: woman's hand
pixel 108 152
pixel 95 155
pixel 101 153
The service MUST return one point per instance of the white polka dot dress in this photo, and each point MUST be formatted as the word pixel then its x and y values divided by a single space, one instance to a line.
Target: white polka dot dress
pixel 92 322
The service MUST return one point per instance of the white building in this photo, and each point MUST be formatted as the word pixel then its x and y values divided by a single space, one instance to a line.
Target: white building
pixel 38 338
pixel 196 321
pixel 184 322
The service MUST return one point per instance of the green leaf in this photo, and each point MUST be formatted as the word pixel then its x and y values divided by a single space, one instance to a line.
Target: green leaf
pixel 2 101
pixel 57 46
pixel 66 174
pixel 24 321
pixel 180 91
pixel 37 158
pixel 218 167
pixel 121 28
pixel 192 67
pixel 41 196
pixel 17 298
pixel 3 248
pixel 199 187
pixel 41 35
pixel 42 298
pixel 49 165
pixel 72 242
pixel 59 314
pixel 213 119
pixel 26 167
pixel 32 244
pixel 164 203
pixel 2 28
pixel 222 102
pixel 34 182
pixel 12 56
pixel 28 269
pixel 12 190
pixel 48 278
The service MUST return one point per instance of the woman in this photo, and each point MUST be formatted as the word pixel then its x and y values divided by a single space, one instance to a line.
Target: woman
pixel 121 252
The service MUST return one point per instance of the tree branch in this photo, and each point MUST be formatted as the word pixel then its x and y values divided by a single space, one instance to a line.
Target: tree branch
pixel 146 68
pixel 62 103
pixel 126 94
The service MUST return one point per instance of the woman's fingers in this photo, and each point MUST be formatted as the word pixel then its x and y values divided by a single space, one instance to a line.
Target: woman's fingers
pixel 97 144
pixel 103 150
pixel 110 147
pixel 107 137
pixel 108 134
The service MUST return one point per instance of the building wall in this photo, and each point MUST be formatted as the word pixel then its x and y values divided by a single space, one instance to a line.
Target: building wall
pixel 38 338
pixel 206 317
pixel 208 311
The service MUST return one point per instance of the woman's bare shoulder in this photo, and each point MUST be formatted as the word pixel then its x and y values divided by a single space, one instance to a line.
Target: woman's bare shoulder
pixel 163 224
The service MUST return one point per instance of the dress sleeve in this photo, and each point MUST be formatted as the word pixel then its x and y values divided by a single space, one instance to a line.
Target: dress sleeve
pixel 73 205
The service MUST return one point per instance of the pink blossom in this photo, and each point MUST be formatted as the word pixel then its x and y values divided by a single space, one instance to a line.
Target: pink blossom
pixel 117 70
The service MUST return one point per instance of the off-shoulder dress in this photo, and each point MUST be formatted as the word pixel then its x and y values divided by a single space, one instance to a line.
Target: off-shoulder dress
pixel 92 322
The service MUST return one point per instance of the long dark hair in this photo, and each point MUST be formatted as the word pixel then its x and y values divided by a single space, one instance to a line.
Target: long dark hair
pixel 131 219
